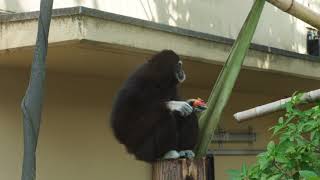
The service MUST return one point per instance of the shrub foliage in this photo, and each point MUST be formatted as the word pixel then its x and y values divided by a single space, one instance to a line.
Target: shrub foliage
pixel 294 152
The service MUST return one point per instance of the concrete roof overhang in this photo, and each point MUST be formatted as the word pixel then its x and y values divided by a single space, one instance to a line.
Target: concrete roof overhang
pixel 88 41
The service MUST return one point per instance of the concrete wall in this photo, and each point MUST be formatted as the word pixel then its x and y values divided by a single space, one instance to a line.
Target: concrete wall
pixel 75 139
pixel 104 31
pixel 219 17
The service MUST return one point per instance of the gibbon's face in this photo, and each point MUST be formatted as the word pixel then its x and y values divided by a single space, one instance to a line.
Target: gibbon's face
pixel 166 67
pixel 180 75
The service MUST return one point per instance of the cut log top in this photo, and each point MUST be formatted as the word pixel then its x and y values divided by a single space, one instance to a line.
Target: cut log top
pixel 180 169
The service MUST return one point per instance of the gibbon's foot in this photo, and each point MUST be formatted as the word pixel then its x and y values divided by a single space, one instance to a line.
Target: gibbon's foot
pixel 182 107
pixel 173 154
pixel 187 154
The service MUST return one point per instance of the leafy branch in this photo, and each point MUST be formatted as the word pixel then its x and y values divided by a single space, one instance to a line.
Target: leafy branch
pixel 296 155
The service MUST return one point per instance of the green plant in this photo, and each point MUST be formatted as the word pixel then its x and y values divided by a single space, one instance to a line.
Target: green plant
pixel 295 152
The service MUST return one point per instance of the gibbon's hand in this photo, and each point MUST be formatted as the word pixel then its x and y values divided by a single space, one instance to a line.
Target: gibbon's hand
pixel 198 104
pixel 180 106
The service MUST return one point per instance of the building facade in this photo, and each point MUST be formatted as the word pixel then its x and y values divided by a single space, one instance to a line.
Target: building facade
pixel 95 44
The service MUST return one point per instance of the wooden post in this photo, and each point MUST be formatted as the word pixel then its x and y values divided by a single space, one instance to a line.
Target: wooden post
pixel 180 169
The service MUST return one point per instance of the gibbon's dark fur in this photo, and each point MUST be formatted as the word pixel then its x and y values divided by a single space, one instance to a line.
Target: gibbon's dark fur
pixel 140 118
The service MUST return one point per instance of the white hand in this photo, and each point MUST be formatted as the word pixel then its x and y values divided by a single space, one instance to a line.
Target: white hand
pixel 180 106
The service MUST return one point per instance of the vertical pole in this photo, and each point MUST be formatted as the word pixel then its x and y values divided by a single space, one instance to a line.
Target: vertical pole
pixel 31 104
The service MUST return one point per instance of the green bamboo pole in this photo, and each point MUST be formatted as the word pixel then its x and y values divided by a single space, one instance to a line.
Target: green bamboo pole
pixel 299 11
pixel 226 80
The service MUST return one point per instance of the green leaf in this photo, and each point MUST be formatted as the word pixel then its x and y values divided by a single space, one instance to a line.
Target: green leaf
pixel 280 121
pixel 244 170
pixel 281 158
pixel 307 174
pixel 275 177
pixel 271 146
pixel 263 162
pixel 312 135
pixel 234 174
pixel 313 178
pixel 276 129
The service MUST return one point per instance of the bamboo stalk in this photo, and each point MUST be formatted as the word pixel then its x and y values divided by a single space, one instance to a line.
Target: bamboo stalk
pixel 258 111
pixel 299 11
pixel 226 80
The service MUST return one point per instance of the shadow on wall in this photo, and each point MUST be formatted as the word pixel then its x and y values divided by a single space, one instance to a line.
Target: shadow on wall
pixel 218 17
pixel 148 10
pixel 10 6
pixel 180 13
pixel 225 18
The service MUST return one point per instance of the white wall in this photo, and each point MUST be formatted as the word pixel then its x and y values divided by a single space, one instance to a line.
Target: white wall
pixel 218 17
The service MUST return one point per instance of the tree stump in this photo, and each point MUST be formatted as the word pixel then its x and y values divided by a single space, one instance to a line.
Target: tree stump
pixel 180 169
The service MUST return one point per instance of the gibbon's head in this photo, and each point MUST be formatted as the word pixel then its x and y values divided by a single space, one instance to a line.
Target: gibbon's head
pixel 167 66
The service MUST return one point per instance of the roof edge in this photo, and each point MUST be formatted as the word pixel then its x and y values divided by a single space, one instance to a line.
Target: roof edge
pixel 80 10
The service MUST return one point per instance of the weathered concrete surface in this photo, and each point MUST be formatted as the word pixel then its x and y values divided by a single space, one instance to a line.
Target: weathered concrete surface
pixel 222 18
pixel 98 29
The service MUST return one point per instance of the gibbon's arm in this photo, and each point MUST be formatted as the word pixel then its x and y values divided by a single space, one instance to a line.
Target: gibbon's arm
pixel 180 106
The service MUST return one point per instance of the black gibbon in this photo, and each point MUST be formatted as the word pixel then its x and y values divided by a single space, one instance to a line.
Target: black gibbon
pixel 149 118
